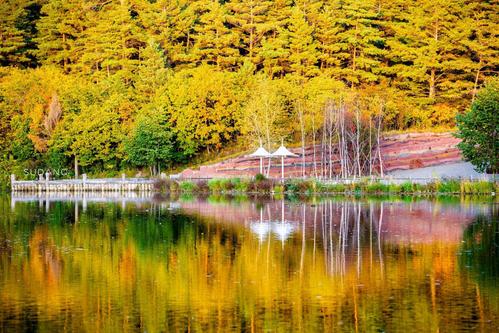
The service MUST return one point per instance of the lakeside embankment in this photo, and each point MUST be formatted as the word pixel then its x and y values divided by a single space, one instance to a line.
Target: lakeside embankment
pixel 262 185
pixel 313 186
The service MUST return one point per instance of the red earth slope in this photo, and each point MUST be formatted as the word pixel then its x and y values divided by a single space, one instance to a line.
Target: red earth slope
pixel 399 152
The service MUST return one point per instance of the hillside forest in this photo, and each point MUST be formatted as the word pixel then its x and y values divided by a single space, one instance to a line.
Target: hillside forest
pixel 122 84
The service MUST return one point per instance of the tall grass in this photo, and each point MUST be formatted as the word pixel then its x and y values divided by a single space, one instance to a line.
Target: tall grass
pixel 308 187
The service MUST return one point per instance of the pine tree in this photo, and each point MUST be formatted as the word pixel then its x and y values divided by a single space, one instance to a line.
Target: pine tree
pixel 112 43
pixel 170 23
pixel 482 42
pixel 302 46
pixel 151 73
pixel 274 52
pixel 61 24
pixel 12 37
pixel 425 48
pixel 248 18
pixel 326 36
pixel 214 42
pixel 359 41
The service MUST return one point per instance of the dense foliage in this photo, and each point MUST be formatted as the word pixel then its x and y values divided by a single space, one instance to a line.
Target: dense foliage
pixel 479 130
pixel 77 76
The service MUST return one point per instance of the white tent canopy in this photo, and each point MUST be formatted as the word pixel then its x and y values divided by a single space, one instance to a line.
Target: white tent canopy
pixel 283 152
pixel 261 153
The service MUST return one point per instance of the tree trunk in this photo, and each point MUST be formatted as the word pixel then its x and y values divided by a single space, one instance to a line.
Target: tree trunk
pixel 313 142
pixel 302 129
pixel 475 85
pixel 379 148
pixel 76 167
pixel 357 140
pixel 432 83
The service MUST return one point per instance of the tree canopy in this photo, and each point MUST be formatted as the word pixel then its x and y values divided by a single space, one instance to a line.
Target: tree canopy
pixel 77 76
pixel 479 130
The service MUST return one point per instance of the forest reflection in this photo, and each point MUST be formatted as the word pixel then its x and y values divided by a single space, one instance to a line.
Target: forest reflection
pixel 248 264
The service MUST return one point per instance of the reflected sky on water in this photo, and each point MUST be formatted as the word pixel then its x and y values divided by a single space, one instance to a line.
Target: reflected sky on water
pixel 105 262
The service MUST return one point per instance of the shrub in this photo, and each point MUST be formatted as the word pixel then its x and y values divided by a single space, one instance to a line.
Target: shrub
pixel 187 186
pixel 292 187
pixel 166 185
pixel 335 188
pixel 202 186
pixel 161 185
pixel 241 185
pixel 450 186
pixel 226 185
pixel 416 187
pixel 406 187
pixel 278 189
pixel 215 185
pixel 259 177
pixel 377 187
pixel 432 187
pixel 394 188
pixel 482 187
pixel 263 186
pixel 301 186
pixel 174 187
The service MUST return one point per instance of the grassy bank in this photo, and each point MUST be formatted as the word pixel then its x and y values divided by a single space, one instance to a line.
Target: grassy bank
pixel 297 186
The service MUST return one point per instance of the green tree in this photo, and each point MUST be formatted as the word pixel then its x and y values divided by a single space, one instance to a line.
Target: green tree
pixel 204 108
pixel 151 144
pixel 302 47
pixel 249 19
pixel 214 43
pixel 61 23
pixel 96 138
pixel 479 130
pixel 112 43
pixel 13 39
pixel 170 23
pixel 360 44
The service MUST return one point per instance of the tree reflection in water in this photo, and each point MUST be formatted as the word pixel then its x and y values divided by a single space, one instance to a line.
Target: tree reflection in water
pixel 196 264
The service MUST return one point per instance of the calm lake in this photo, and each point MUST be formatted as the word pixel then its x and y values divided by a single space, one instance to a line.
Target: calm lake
pixel 105 263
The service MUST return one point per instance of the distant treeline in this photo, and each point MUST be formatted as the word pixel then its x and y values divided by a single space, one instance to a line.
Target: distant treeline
pixel 113 84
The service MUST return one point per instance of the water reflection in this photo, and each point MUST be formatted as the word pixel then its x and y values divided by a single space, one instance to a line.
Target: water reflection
pixel 252 264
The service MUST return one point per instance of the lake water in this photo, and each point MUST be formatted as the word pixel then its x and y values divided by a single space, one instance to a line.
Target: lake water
pixel 149 264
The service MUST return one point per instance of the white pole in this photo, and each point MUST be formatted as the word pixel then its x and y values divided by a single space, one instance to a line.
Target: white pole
pixel 261 165
pixel 282 167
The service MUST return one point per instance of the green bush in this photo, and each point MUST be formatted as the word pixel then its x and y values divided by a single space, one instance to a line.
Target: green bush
pixel 292 186
pixel 187 186
pixel 377 187
pixel 161 185
pixel 215 185
pixel 394 188
pixel 301 186
pixel 432 187
pixel 418 188
pixel 449 186
pixel 241 185
pixel 226 185
pixel 278 189
pixel 406 187
pixel 335 188
pixel 482 187
pixel 259 177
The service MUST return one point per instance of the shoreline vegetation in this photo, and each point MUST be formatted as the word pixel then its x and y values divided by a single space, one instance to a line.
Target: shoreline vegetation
pixel 262 185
